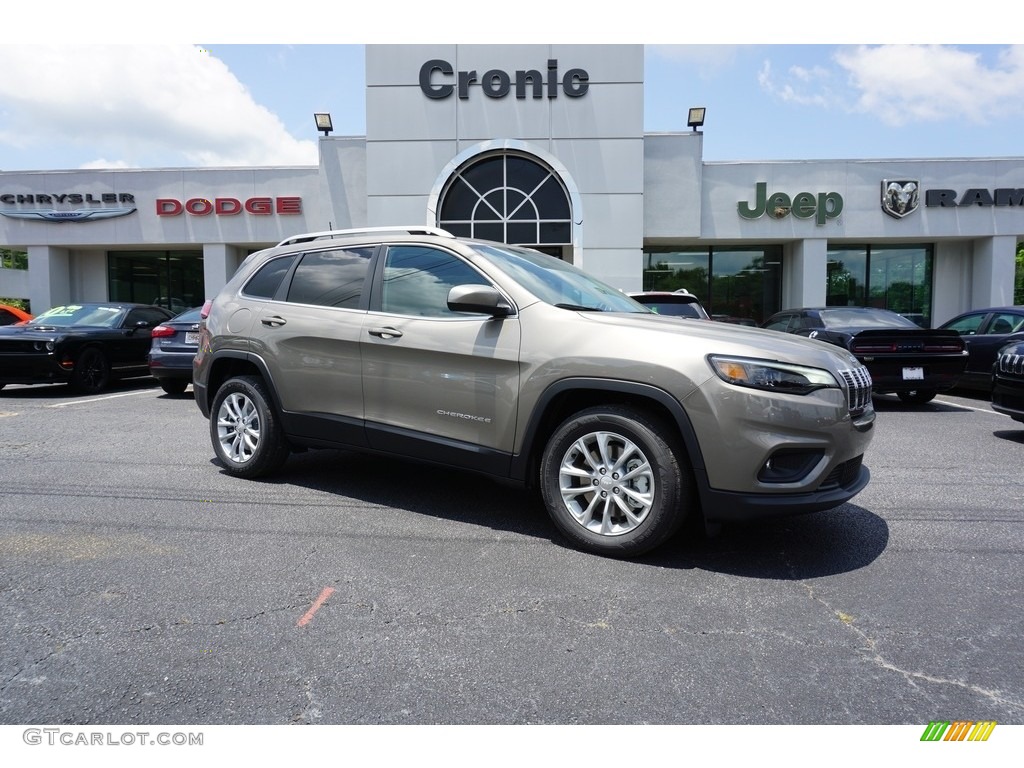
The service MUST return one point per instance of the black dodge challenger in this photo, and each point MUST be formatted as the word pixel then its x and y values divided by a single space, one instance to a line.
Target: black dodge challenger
pixel 912 362
pixel 84 345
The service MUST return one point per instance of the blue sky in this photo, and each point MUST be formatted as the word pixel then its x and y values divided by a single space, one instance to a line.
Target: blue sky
pixel 235 87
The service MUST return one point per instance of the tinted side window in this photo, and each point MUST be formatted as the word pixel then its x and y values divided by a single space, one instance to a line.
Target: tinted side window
pixel 152 316
pixel 266 281
pixel 967 326
pixel 331 278
pixel 1006 322
pixel 417 280
pixel 780 323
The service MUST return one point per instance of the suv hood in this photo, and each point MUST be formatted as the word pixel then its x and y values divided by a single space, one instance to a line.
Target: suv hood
pixel 726 338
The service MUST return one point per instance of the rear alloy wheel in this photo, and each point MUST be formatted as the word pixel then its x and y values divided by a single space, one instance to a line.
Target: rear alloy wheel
pixel 613 482
pixel 92 372
pixel 244 428
pixel 917 396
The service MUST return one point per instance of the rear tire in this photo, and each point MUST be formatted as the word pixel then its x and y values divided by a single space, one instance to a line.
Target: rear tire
pixel 246 434
pixel 917 396
pixel 173 386
pixel 614 481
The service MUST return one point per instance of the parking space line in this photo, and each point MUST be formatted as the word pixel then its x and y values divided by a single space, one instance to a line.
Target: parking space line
pixel 967 407
pixel 98 399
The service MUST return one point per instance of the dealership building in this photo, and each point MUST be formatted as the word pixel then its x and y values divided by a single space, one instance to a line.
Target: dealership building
pixel 541 145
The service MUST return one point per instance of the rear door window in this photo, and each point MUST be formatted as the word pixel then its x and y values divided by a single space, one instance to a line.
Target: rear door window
pixel 331 278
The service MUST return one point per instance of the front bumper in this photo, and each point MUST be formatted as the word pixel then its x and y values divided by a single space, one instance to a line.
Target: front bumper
pixel 1008 396
pixel 32 368
pixel 726 506
pixel 765 454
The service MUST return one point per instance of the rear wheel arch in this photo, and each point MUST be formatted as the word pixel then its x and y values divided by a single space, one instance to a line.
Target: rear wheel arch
pixel 231 365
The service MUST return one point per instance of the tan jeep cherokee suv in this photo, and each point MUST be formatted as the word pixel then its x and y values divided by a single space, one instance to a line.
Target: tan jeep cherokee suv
pixel 499 359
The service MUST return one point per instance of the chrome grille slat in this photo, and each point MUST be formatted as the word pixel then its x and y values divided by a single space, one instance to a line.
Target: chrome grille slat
pixel 1012 364
pixel 858 387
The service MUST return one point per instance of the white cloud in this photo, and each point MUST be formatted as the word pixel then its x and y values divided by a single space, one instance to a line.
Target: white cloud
pixel 141 105
pixel 903 84
pixel 808 86
pixel 918 83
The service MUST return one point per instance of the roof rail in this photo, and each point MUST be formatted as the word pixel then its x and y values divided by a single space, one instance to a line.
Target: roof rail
pixel 332 233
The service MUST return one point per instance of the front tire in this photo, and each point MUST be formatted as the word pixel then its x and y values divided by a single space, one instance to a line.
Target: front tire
pixel 917 396
pixel 613 481
pixel 92 372
pixel 246 434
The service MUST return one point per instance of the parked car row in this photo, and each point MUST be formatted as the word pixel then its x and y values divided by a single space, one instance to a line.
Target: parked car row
pixel 979 350
pixel 904 359
pixel 90 345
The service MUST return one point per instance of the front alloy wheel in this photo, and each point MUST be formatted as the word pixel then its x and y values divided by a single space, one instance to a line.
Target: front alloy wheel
pixel 613 481
pixel 92 372
pixel 243 426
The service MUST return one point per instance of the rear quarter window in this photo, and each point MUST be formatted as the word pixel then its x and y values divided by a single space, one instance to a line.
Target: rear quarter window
pixel 268 278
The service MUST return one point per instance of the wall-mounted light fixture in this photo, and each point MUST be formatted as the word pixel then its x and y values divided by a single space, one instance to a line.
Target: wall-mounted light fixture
pixel 323 122
pixel 696 117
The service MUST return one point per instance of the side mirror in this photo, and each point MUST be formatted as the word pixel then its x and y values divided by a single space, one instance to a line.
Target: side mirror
pixel 479 299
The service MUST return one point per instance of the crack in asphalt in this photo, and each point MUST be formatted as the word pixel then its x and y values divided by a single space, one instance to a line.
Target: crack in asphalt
pixel 912 677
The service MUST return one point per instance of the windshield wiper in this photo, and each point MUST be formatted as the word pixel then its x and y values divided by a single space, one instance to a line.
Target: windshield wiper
pixel 579 308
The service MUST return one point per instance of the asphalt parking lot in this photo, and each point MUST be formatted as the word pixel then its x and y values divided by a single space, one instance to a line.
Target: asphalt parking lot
pixel 141 584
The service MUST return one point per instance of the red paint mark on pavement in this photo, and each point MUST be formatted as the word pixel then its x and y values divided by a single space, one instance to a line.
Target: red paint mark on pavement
pixel 328 591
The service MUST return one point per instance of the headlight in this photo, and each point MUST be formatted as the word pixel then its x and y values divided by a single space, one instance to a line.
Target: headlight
pixel 39 346
pixel 770 375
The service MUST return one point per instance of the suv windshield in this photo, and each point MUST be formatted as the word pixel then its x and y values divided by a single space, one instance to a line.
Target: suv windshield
pixel 555 282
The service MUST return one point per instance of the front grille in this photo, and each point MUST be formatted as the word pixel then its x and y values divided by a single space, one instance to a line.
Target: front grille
pixel 15 347
pixel 843 475
pixel 1011 364
pixel 858 386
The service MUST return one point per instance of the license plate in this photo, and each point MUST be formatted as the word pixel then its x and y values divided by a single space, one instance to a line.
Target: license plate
pixel 913 374
pixel 192 337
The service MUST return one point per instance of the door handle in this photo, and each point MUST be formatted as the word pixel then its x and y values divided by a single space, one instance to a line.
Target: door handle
pixel 274 321
pixel 386 333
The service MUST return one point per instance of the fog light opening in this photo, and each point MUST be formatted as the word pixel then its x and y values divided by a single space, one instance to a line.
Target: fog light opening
pixel 789 465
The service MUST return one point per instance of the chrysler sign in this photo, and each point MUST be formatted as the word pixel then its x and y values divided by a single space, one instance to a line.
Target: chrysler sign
pixel 126 200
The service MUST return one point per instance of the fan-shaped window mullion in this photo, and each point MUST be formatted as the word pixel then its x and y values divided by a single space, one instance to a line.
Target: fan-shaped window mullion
pixel 544 203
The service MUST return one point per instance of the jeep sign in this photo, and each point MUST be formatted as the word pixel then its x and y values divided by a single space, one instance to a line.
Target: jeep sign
pixel 804 205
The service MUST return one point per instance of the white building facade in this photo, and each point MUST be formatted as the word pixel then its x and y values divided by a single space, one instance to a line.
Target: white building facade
pixel 541 145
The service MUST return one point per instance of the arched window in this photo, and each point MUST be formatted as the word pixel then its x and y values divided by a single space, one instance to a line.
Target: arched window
pixel 509 198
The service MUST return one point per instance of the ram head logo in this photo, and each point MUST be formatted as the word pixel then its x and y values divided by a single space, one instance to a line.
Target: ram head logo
pixel 899 198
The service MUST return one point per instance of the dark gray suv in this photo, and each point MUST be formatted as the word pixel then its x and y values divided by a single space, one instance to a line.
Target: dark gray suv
pixel 499 359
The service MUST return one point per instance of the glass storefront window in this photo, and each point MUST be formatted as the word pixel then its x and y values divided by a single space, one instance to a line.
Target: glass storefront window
pixel 888 277
pixel 172 279
pixel 846 276
pixel 741 285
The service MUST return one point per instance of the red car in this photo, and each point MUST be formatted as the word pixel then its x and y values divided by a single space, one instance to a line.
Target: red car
pixel 12 315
